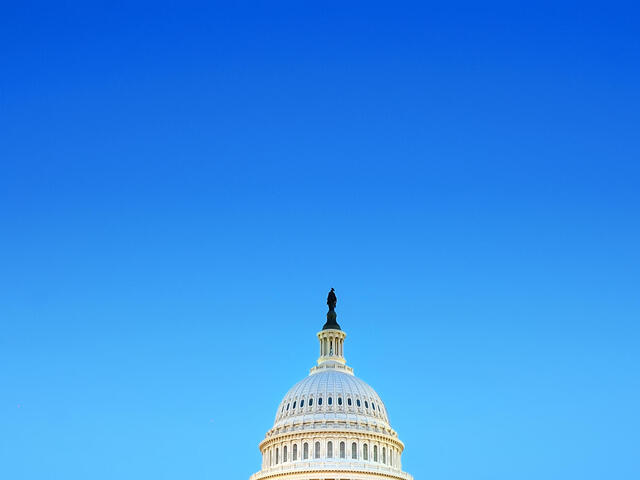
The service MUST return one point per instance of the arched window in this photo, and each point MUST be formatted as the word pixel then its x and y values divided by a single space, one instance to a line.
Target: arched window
pixel 277 452
pixel 349 401
pixel 311 402
pixel 319 401
pixel 354 450
pixel 330 400
pixel 365 452
pixel 294 453
pixel 317 455
pixel 339 400
pixel 270 457
pixel 342 452
pixel 375 453
pixel 384 455
pixel 358 402
pixel 284 454
pixel 330 450
pixel 390 457
pixel 302 403
pixel 287 406
pixel 294 404
pixel 305 451
pixel 366 404
pixel 373 405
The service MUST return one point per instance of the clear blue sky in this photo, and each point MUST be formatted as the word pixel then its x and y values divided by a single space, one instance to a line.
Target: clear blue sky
pixel 181 185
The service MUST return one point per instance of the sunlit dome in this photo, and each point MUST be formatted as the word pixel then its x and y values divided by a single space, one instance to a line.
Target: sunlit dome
pixel 331 425
pixel 330 396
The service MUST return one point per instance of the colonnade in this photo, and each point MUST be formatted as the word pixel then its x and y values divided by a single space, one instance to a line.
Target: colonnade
pixel 331 344
pixel 340 448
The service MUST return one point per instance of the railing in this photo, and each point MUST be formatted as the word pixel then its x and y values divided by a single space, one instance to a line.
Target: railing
pixel 323 465
pixel 321 422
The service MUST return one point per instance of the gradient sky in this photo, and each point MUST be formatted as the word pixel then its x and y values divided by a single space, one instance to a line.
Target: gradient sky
pixel 181 185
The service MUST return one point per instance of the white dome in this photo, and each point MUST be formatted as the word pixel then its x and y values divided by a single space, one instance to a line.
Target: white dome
pixel 331 396
pixel 331 425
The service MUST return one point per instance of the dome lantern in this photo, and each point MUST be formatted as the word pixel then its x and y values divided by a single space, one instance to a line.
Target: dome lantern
pixel 332 351
pixel 332 341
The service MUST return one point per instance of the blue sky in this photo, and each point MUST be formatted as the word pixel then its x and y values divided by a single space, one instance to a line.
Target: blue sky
pixel 181 185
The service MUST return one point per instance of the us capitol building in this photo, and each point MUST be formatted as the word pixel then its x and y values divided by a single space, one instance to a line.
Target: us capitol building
pixel 331 425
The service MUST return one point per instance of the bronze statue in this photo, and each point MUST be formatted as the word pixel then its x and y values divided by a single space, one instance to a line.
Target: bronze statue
pixel 331 314
pixel 332 300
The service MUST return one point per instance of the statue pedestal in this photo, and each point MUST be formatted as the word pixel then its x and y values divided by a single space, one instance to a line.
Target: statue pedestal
pixel 331 324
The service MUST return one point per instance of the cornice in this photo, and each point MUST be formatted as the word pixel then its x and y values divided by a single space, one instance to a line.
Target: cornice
pixel 398 475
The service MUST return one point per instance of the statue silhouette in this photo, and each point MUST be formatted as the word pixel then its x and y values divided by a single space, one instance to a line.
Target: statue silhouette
pixel 332 300
pixel 331 314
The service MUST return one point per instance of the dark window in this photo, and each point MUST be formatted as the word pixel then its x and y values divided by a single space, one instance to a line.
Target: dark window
pixel 311 402
pixel 319 400
pixel 365 452
pixel 349 401
pixel 305 451
pixel 287 406
pixel 294 404
pixel 330 450
pixel 330 400
pixel 317 455
pixel 354 450
pixel 366 404
pixel 375 452
pixel 294 453
pixel 277 457
pixel 284 454
pixel 339 400
pixel 301 403
pixel 373 405
pixel 342 452
pixel 358 402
